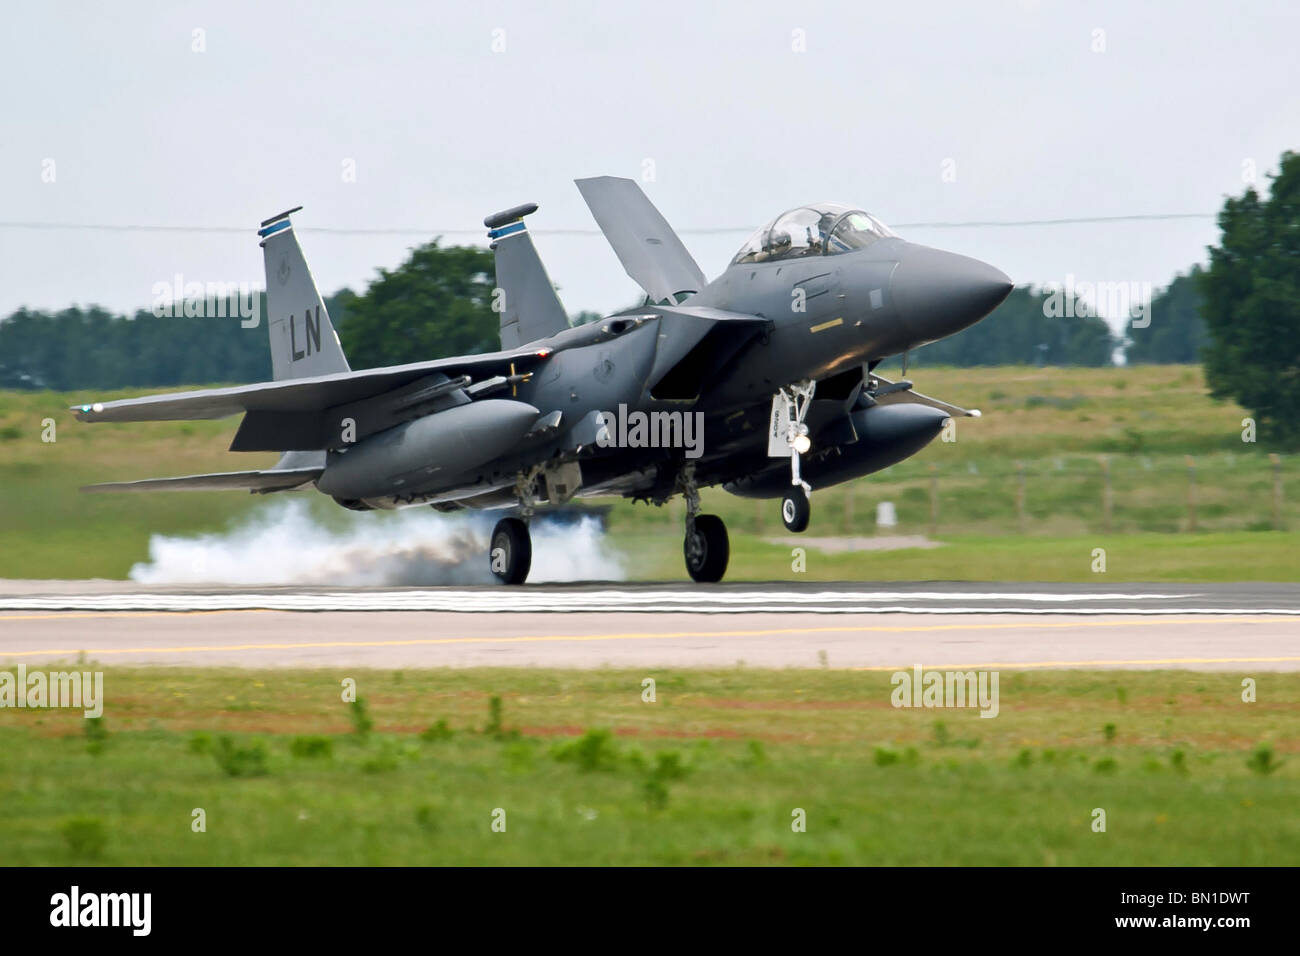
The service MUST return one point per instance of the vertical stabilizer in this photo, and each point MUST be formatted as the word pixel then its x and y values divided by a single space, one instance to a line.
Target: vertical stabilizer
pixel 530 309
pixel 303 340
pixel 650 251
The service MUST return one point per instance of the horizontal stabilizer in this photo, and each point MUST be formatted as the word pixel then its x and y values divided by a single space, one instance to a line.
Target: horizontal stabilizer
pixel 650 251
pixel 260 482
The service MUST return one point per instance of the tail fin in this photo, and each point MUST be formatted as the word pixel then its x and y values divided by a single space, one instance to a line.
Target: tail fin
pixel 531 309
pixel 303 341
pixel 650 251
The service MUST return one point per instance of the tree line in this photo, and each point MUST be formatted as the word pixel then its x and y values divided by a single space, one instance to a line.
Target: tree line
pixel 439 302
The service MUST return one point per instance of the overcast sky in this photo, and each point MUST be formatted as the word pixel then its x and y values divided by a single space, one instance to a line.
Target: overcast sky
pixel 1042 110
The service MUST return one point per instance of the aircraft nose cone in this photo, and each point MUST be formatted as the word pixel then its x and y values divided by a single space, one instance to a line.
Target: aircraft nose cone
pixel 939 293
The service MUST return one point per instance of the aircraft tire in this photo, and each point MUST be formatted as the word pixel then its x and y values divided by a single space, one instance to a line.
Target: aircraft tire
pixel 796 509
pixel 510 551
pixel 707 550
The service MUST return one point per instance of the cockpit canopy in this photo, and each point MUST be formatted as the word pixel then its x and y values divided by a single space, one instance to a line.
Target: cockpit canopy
pixel 821 229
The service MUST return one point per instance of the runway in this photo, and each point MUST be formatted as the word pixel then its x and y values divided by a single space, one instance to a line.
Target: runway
pixel 775 598
pixel 1253 627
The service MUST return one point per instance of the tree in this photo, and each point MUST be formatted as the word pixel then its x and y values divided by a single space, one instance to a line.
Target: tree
pixel 1177 331
pixel 1252 304
pixel 91 348
pixel 435 304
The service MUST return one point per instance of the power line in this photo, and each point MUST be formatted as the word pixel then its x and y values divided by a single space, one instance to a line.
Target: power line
pixel 699 231
pixel 1153 217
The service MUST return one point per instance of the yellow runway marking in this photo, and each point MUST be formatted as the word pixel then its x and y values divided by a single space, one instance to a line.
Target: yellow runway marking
pixel 672 635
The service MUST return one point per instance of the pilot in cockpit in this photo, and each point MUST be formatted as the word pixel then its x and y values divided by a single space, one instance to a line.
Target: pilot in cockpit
pixel 828 229
pixel 825 223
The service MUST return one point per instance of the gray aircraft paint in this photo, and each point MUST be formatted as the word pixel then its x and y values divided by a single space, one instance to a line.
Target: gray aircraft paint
pixel 525 296
pixel 723 349
pixel 303 340
pixel 650 251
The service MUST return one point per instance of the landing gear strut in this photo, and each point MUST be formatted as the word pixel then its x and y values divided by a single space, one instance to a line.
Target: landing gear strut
pixel 796 509
pixel 706 547
pixel 510 549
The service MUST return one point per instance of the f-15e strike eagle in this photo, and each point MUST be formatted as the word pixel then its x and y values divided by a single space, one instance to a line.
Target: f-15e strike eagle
pixel 762 380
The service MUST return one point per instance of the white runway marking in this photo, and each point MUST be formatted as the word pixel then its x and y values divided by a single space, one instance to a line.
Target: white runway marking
pixel 604 600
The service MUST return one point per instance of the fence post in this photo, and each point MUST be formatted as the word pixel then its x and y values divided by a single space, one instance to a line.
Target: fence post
pixel 1191 493
pixel 934 501
pixel 1105 494
pixel 1277 491
pixel 1020 495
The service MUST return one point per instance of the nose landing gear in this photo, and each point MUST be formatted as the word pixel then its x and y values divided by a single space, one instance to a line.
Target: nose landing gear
pixel 796 509
pixel 792 404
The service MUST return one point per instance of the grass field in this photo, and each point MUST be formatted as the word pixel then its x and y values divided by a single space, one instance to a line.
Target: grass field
pixel 710 773
pixel 1057 424
pixel 1226 556
pixel 717 768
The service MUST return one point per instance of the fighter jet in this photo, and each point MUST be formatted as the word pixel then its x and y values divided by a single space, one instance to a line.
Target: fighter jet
pixel 761 381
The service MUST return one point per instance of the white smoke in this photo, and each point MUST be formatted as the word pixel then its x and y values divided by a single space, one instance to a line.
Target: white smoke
pixel 285 544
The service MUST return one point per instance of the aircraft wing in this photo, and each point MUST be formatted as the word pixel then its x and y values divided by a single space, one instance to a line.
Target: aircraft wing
pixel 900 393
pixel 650 251
pixel 261 482
pixel 305 395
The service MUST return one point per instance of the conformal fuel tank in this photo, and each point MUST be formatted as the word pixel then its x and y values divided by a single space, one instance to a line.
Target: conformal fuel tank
pixel 431 452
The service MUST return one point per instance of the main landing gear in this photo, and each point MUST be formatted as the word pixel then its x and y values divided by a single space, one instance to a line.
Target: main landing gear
pixel 706 547
pixel 510 549
pixel 796 509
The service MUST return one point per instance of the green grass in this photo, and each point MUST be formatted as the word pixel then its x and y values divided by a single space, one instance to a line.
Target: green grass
pixel 710 773
pixel 1058 423
pixel 48 529
pixel 1254 556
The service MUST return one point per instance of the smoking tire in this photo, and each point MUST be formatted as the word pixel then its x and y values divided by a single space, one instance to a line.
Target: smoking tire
pixel 510 551
pixel 796 510
pixel 707 549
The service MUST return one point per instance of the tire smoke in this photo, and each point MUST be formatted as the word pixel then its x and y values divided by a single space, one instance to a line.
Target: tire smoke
pixel 285 544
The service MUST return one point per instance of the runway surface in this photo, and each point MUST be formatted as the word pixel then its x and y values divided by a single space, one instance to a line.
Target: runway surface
pixel 775 598
pixel 1213 627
